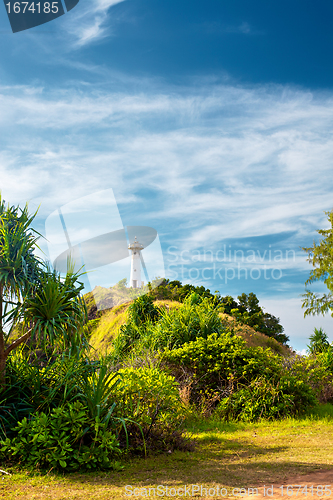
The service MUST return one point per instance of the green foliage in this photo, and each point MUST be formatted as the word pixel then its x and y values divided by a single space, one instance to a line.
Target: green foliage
pixel 198 317
pixel 218 362
pixel 150 398
pixel 97 389
pixel 142 315
pixel 55 309
pixel 228 304
pixel 18 264
pixel 262 398
pixel 147 394
pixel 174 290
pixel 143 310
pixel 249 312
pixel 34 386
pixel 246 383
pixel 47 307
pixel 321 257
pixel 66 438
pixel 138 405
pixel 325 358
pixel 152 328
pixel 318 342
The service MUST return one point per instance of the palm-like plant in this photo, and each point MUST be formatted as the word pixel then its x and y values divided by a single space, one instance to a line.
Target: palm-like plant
pixel 55 309
pixel 318 342
pixel 48 306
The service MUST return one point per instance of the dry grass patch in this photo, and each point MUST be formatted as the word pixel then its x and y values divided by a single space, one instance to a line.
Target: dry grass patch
pixel 252 337
pixel 108 328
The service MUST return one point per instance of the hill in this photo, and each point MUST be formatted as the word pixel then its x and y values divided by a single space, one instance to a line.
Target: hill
pixel 105 328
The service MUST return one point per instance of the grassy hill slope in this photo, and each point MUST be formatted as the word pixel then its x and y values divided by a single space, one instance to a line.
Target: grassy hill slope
pixel 106 328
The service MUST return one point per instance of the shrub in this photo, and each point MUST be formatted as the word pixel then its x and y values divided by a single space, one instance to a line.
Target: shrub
pixel 32 387
pixel 142 315
pixel 220 361
pixel 66 438
pixel 151 399
pixel 143 310
pixel 315 370
pixel 242 382
pixel 195 319
pixel 265 399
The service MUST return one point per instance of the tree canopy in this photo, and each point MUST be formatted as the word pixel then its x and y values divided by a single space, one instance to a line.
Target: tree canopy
pixel 321 257
pixel 47 307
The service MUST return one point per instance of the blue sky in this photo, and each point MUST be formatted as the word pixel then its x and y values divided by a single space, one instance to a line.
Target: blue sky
pixel 210 120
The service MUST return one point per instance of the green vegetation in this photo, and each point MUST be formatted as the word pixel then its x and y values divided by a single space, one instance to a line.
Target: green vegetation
pixel 321 258
pixel 247 310
pixel 89 390
pixel 66 437
pixel 219 372
pixel 48 309
pixel 240 382
pixel 318 342
pixel 234 454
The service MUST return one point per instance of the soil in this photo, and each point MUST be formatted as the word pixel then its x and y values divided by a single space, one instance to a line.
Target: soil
pixel 310 488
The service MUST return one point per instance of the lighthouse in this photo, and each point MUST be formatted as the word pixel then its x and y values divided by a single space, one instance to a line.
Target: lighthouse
pixel 135 279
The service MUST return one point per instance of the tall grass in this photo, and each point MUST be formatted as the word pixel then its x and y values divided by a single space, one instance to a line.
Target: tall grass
pixel 33 388
pixel 152 328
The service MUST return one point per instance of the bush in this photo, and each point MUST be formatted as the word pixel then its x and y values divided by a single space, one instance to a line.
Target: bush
pixel 242 382
pixel 316 371
pixel 32 387
pixel 197 318
pixel 264 399
pixel 218 362
pixel 150 398
pixel 66 438
pixel 143 310
pixel 142 315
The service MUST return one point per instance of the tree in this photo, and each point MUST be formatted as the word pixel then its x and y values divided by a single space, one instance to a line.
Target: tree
pixel 318 342
pixel 228 304
pixel 249 312
pixel 249 303
pixel 272 328
pixel 48 308
pixel 321 258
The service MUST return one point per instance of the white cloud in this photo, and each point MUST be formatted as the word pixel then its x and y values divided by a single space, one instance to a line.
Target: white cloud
pixel 292 318
pixel 90 21
pixel 201 166
pixel 263 156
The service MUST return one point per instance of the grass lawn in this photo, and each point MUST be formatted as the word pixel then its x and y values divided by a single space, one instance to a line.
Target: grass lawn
pixel 229 455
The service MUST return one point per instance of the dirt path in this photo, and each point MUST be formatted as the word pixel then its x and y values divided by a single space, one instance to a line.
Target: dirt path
pixel 310 486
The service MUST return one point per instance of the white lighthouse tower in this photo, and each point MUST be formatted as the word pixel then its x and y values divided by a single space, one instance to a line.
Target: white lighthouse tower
pixel 135 279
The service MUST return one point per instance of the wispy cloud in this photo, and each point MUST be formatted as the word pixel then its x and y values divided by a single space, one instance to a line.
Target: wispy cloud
pixel 223 160
pixel 90 21
pixel 205 166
